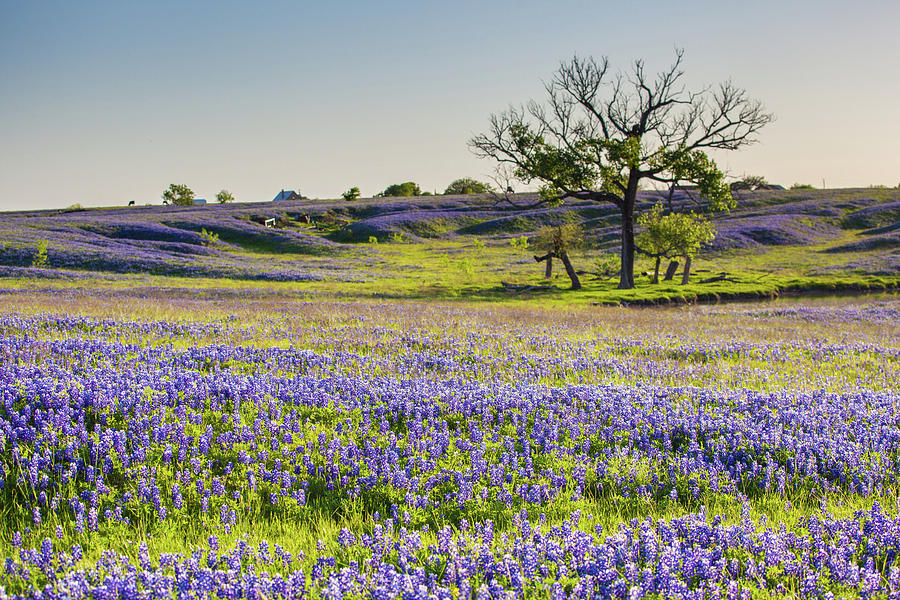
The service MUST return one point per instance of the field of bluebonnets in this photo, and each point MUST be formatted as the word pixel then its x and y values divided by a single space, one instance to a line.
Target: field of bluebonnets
pixel 209 447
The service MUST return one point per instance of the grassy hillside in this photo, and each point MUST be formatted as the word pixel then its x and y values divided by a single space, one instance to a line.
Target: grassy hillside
pixel 451 246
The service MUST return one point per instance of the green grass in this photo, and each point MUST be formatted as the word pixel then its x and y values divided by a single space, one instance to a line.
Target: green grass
pixel 467 268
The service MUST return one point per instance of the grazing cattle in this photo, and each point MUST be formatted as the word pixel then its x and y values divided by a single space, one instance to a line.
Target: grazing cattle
pixel 131 203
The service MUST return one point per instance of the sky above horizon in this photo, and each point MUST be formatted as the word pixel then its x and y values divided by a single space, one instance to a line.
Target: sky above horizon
pixel 102 103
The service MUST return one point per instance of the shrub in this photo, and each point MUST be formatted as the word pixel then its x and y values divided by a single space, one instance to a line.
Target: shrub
pixel 408 188
pixel 351 194
pixel 467 185
pixel 209 237
pixel 519 243
pixel 40 255
pixel 607 265
pixel 750 182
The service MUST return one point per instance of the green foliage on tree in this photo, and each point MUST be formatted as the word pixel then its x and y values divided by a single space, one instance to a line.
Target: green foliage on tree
pixel 671 235
pixel 600 135
pixel 407 188
pixel 351 194
pixel 653 240
pixel 224 196
pixel 558 238
pixel 179 195
pixel 467 185
pixel 802 186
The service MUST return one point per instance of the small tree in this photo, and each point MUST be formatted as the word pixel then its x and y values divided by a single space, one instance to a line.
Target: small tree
pixel 677 234
pixel 749 182
pixel 408 188
pixel 556 242
pixel 224 196
pixel 351 194
pixel 653 240
pixel 691 232
pixel 467 185
pixel 180 195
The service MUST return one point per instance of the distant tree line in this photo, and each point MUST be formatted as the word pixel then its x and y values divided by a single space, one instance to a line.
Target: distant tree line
pixel 462 186
pixel 181 195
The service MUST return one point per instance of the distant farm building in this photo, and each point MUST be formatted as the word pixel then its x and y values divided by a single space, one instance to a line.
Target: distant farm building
pixel 287 195
pixel 199 201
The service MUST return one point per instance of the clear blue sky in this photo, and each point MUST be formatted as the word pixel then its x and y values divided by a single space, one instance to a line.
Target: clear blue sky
pixel 106 102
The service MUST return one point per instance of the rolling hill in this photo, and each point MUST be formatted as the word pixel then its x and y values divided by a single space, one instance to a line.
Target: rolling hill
pixel 846 231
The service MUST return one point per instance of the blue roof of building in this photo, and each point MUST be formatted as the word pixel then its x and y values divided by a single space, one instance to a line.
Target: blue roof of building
pixel 199 201
pixel 283 195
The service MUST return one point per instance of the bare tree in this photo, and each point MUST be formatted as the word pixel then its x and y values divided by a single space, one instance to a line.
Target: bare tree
pixel 599 135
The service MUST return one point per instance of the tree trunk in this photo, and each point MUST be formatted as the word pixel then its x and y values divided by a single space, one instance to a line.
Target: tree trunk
pixel 576 283
pixel 670 271
pixel 685 277
pixel 656 270
pixel 548 269
pixel 669 198
pixel 626 275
